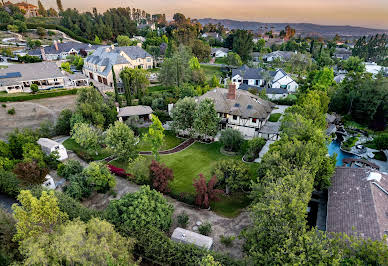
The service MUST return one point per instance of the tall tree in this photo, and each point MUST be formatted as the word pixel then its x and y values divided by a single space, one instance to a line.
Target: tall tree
pixel 41 10
pixel 60 6
pixel 86 136
pixel 122 141
pixel 175 70
pixel 155 136
pixel 206 191
pixel 206 119
pixel 182 115
pixel 243 44
pixel 160 176
pixel 117 97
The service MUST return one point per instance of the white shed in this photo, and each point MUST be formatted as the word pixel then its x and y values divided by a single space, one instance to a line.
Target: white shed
pixel 49 146
pixel 189 237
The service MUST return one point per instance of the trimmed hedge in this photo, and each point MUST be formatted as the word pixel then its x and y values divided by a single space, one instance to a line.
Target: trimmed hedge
pixel 155 246
pixel 39 95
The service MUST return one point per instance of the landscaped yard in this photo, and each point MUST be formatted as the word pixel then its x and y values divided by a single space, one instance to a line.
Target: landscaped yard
pixel 221 60
pixel 170 141
pixel 274 117
pixel 70 144
pixel 211 70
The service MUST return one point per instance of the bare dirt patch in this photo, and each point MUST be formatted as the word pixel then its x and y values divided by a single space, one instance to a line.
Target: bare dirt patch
pixel 30 114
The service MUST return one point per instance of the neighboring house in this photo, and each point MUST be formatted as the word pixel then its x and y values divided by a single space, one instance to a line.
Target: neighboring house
pixel 339 78
pixel 151 26
pixel 239 109
pixel 28 9
pixel 49 146
pixel 98 66
pixel 214 35
pixel 248 76
pixel 358 203
pixel 139 112
pixel 342 53
pixel 219 52
pixel 256 57
pixel 181 235
pixel 60 51
pixel 20 77
pixel 139 39
pixel 374 68
pixel 272 93
pixel 281 55
pixel 280 79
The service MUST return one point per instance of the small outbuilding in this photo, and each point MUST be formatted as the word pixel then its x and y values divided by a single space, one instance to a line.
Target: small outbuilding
pixel 188 237
pixel 49 146
pixel 49 183
pixel 142 112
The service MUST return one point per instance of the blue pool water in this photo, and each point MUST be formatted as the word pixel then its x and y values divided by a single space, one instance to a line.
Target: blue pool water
pixel 334 147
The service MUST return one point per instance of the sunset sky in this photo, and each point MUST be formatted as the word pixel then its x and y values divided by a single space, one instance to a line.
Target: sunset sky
pixel 368 13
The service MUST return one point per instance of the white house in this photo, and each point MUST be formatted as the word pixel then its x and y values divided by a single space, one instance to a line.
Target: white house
pixel 374 68
pixel 281 55
pixel 248 76
pixel 219 52
pixel 282 80
pixel 49 146
pixel 239 109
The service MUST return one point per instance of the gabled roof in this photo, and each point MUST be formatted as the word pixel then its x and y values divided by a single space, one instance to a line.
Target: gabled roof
pixel 246 104
pixel 246 87
pixel 108 56
pixel 279 54
pixel 64 47
pixel 222 49
pixel 358 203
pixel 135 110
pixel 248 73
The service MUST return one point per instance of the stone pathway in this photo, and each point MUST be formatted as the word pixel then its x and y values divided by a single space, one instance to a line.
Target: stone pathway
pixel 184 145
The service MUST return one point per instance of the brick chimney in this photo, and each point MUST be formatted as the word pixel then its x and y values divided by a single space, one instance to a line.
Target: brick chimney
pixel 232 92
pixel 56 45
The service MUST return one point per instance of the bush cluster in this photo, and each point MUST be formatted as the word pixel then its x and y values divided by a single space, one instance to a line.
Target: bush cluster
pixel 40 95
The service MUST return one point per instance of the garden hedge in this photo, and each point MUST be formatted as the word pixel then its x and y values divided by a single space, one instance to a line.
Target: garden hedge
pixel 39 95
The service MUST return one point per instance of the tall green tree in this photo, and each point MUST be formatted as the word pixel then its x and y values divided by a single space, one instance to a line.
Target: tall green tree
pixel 86 136
pixel 59 5
pixel 155 136
pixel 122 141
pixel 175 70
pixel 182 115
pixel 243 44
pixel 206 119
pixel 117 97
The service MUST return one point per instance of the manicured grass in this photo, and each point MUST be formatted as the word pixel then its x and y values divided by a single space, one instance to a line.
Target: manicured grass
pixel 380 156
pixel 274 117
pixel 170 141
pixel 221 60
pixel 211 70
pixel 231 205
pixel 159 88
pixel 70 144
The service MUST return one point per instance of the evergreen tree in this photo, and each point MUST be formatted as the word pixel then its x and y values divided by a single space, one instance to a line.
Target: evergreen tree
pixel 59 4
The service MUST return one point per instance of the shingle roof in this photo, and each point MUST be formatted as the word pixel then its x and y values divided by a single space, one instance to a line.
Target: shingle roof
pixel 64 47
pixel 135 110
pixel 258 108
pixel 248 73
pixel 357 203
pixel 34 71
pixel 108 56
pixel 225 50
pixel 279 54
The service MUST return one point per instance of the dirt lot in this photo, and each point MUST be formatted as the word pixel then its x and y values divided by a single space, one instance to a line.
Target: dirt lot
pixel 31 114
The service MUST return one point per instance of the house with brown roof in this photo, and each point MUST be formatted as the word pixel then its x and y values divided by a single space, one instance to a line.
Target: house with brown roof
pixel 239 109
pixel 358 203
pixel 28 9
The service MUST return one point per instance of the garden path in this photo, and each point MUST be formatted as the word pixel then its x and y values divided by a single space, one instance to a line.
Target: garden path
pixel 184 145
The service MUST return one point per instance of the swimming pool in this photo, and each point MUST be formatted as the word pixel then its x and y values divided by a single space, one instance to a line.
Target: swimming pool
pixel 334 147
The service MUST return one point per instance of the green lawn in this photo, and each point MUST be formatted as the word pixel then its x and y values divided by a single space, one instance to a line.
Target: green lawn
pixel 159 88
pixel 221 60
pixel 70 144
pixel 274 117
pixel 211 70
pixel 170 141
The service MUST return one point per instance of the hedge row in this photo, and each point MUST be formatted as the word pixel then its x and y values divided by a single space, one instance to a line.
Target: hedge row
pixel 155 246
pixel 60 28
pixel 39 95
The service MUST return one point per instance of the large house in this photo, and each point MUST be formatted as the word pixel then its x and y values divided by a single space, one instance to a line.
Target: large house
pixel 280 55
pixel 28 9
pixel 219 52
pixel 358 203
pixel 342 53
pixel 239 109
pixel 98 66
pixel 246 78
pixel 60 51
pixel 47 75
pixel 20 77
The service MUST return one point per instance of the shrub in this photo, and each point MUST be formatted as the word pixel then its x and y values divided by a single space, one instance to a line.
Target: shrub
pixel 139 170
pixel 162 115
pixel 4 105
pixel 99 176
pixel 232 175
pixel 183 219
pixel 34 88
pixel 78 187
pixel 11 111
pixel 135 211
pixel 274 117
pixel 30 173
pixel 62 127
pixel 227 240
pixel 8 247
pixel 254 147
pixel 69 168
pixel 381 141
pixel 9 183
pixel 205 229
pixel 160 175
pixel 118 171
pixel 231 139
pixel 205 192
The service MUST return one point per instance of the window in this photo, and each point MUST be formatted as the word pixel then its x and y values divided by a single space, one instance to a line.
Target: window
pixel 234 80
pixel 148 59
pixel 236 105
pixel 257 82
pixel 245 81
pixel 235 117
pixel 254 120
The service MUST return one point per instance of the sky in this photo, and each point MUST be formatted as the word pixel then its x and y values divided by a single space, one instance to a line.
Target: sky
pixel 366 13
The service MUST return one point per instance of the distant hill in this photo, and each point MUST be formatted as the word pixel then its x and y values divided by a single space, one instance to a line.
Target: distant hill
pixel 301 28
